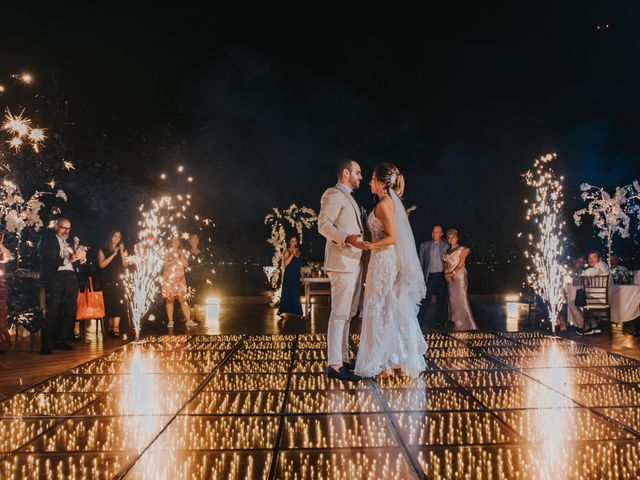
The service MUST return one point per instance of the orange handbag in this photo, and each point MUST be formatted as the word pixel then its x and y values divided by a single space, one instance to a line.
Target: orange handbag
pixel 90 303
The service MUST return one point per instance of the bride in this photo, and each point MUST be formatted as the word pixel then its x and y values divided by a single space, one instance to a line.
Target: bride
pixel 391 337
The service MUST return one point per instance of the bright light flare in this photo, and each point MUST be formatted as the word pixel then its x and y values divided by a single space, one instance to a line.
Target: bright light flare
pixel 16 124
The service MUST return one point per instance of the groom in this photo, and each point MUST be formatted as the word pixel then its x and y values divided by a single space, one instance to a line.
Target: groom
pixel 340 223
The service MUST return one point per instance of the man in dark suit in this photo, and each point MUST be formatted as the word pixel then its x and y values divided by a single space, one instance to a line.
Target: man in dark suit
pixel 58 277
pixel 433 268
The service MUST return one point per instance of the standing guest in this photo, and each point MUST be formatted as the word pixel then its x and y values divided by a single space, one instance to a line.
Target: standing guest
pixel 455 274
pixel 194 242
pixel 195 273
pixel 173 281
pixel 290 300
pixel 112 261
pixel 58 278
pixel 5 337
pixel 432 264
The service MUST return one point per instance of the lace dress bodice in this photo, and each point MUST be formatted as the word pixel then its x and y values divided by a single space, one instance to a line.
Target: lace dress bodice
pixel 375 227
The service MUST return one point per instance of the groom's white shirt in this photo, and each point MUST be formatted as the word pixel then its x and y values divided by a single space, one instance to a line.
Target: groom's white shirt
pixel 339 217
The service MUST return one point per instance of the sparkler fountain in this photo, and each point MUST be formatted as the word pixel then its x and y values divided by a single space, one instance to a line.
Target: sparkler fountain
pixel 141 282
pixel 545 211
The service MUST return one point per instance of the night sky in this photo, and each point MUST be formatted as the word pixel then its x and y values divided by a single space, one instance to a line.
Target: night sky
pixel 259 105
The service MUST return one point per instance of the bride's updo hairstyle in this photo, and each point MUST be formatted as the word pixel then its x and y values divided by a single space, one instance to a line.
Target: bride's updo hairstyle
pixel 389 174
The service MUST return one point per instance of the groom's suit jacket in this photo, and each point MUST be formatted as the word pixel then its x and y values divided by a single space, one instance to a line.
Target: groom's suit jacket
pixel 339 217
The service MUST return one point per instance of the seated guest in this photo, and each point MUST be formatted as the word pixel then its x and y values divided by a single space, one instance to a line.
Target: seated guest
pixel 60 283
pixel 575 271
pixel 621 274
pixel 596 267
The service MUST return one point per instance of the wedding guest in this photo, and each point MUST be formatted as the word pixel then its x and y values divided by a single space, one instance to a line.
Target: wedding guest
pixel 5 337
pixel 431 253
pixel 597 267
pixel 621 274
pixel 174 283
pixel 196 271
pixel 112 261
pixel 290 299
pixel 455 274
pixel 576 269
pixel 58 278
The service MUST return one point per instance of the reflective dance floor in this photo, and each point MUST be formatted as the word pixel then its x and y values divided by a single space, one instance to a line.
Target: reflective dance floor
pixel 490 406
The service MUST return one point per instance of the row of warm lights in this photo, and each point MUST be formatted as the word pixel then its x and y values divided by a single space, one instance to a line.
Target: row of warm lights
pixel 332 401
pixel 458 428
pixel 420 399
pixel 243 403
pixel 304 466
pixel 338 432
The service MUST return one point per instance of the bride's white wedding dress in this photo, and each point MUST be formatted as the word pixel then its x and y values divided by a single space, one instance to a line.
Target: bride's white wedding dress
pixel 390 336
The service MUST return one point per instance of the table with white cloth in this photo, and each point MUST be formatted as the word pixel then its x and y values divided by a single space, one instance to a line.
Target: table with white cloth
pixel 624 301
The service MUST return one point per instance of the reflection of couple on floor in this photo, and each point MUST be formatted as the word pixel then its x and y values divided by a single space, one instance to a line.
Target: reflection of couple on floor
pixel 390 335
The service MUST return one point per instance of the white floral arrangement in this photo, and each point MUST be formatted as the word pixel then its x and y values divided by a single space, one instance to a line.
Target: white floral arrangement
pixel 611 213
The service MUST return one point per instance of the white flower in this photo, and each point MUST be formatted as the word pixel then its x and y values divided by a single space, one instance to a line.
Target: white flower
pixel 14 223
pixel 62 195
pixel 585 186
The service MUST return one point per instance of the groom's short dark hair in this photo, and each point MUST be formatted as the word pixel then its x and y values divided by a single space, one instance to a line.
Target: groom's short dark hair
pixel 344 165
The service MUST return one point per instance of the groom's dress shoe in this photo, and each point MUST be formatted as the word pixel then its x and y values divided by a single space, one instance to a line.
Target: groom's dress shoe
pixel 342 374
pixel 351 365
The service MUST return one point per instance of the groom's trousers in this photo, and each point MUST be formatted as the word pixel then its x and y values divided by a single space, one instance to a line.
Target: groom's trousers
pixel 346 288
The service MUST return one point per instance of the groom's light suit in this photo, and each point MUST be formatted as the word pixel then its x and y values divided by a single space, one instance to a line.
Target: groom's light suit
pixel 339 217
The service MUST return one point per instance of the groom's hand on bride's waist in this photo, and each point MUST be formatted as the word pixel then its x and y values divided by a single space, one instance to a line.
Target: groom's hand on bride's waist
pixel 354 240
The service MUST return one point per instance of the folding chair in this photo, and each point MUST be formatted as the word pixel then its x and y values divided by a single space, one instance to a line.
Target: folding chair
pixel 597 292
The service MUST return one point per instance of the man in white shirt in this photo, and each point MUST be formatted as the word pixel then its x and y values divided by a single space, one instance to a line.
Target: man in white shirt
pixel 596 267
pixel 58 278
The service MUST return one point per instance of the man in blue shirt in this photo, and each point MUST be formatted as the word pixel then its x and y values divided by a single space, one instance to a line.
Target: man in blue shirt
pixel 431 253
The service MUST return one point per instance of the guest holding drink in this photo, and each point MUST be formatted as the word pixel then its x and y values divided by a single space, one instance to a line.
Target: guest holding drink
pixel 455 274
pixel 290 300
pixel 112 261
